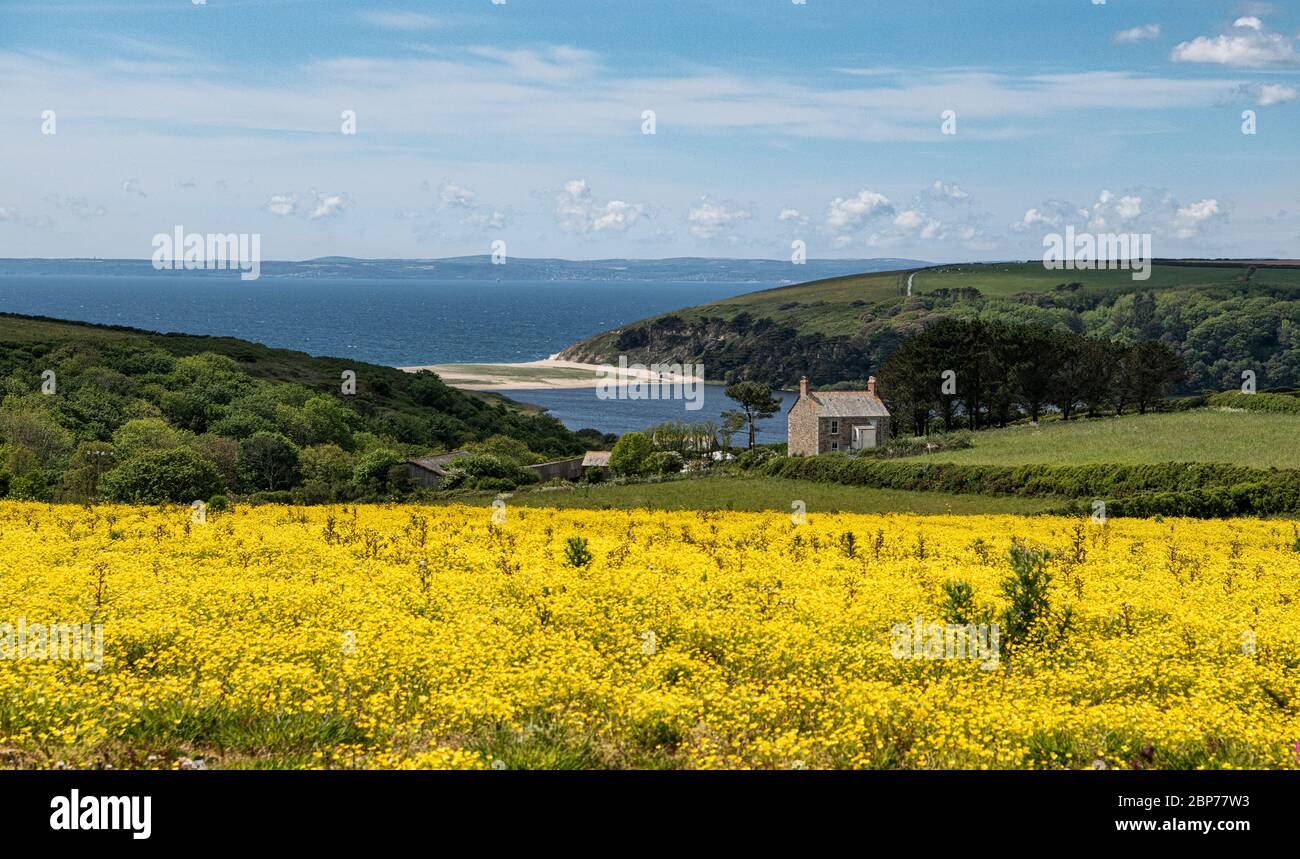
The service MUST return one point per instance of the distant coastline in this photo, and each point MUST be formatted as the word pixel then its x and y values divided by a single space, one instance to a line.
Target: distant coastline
pixel 481 268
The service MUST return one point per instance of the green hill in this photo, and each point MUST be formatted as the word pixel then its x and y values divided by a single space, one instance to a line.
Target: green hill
pixel 188 416
pixel 1222 318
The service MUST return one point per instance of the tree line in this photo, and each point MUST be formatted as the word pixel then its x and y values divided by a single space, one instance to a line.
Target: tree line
pixel 977 373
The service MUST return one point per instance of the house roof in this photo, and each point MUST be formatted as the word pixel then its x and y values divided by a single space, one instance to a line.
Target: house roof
pixel 596 459
pixel 848 404
pixel 437 464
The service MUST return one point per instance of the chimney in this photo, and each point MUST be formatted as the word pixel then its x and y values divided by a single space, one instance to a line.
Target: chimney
pixel 803 386
pixel 871 386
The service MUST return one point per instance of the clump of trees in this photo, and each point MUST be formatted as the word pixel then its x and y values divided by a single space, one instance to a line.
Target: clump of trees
pixel 667 448
pixel 976 373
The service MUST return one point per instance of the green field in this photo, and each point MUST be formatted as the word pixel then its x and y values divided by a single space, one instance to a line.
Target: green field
pixel 767 493
pixel 823 306
pixel 827 306
pixel 1002 280
pixel 1257 439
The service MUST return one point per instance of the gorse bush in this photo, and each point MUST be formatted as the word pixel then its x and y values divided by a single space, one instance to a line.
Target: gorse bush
pixel 1027 592
pixel 575 552
pixel 959 604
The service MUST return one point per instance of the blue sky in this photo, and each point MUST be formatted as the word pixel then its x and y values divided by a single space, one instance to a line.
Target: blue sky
pixel 774 122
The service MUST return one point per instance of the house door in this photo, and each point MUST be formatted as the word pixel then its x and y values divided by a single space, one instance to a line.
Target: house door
pixel 864 436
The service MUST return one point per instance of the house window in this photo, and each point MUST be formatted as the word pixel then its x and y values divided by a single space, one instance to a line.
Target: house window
pixel 835 427
pixel 835 445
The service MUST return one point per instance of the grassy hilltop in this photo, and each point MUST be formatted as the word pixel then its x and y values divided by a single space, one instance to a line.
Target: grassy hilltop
pixel 1222 318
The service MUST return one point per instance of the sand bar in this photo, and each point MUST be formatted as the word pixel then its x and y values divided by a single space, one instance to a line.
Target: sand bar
pixel 546 373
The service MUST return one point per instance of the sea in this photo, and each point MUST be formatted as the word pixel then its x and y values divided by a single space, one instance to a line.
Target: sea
pixel 399 323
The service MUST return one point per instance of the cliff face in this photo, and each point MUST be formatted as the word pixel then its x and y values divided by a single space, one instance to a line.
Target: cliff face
pixel 740 349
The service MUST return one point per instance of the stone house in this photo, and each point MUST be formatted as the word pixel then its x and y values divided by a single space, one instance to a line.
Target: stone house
pixel 828 421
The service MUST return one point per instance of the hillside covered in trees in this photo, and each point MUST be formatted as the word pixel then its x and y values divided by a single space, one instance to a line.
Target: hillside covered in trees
pixel 89 411
pixel 1220 319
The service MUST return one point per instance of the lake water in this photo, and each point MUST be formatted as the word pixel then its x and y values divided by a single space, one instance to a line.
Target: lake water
pixel 579 408
pixel 395 322
pixel 398 323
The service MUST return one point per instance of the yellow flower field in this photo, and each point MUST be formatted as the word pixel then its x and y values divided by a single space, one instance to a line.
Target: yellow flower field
pixel 409 636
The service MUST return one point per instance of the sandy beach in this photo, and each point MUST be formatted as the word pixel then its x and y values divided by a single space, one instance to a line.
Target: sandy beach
pixel 546 373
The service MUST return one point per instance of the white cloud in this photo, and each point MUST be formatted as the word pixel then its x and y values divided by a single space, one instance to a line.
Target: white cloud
pixel 399 20
pixel 1112 213
pixel 790 215
pixel 329 205
pixel 1267 94
pixel 1140 210
pixel 451 195
pixel 314 204
pixel 940 190
pixel 560 91
pixel 615 215
pixel 709 218
pixel 917 224
pixel 1189 219
pixel 282 204
pixel 1248 46
pixel 577 211
pixel 132 186
pixel 1052 214
pixel 846 214
pixel 487 220
pixel 1136 34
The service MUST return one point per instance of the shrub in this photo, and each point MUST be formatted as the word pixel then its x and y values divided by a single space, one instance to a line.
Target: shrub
pixel 575 552
pixel 278 496
pixel 664 462
pixel 959 604
pixel 1260 402
pixel 370 474
pixel 630 454
pixel 164 475
pixel 488 472
pixel 1027 591
pixel 218 503
pixel 31 486
pixel 756 457
pixel 267 460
